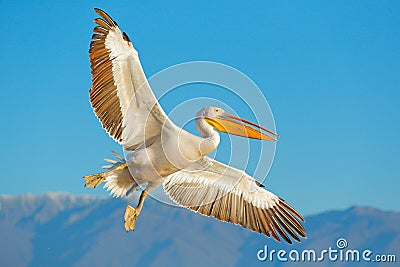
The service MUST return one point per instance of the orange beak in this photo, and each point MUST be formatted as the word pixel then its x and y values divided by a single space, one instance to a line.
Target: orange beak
pixel 233 125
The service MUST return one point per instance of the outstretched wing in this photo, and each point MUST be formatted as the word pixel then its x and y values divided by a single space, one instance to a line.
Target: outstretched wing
pixel 120 94
pixel 230 195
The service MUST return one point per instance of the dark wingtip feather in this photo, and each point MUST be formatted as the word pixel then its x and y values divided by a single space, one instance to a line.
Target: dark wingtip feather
pixel 125 36
pixel 291 209
pixel 105 16
pixel 259 184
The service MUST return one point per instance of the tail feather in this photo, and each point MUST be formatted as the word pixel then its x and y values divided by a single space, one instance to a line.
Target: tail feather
pixel 118 156
pixel 118 180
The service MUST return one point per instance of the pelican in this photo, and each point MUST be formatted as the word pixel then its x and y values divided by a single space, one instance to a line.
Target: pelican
pixel 157 152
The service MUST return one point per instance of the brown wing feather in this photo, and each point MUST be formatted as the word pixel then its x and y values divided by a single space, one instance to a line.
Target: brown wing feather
pixel 103 93
pixel 232 207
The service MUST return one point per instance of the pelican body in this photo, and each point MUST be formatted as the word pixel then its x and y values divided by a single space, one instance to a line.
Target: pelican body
pixel 157 152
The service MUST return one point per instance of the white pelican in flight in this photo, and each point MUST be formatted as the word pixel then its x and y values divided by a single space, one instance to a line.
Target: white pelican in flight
pixel 160 153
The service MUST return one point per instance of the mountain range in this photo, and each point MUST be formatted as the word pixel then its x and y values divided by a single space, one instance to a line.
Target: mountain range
pixel 59 229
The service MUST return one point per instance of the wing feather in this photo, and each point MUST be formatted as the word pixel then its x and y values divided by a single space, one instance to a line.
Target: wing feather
pixel 120 95
pixel 233 196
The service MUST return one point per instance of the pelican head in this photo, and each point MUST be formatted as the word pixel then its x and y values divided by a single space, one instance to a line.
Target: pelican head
pixel 224 122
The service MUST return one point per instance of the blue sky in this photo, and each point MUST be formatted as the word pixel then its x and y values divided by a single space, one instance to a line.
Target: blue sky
pixel 329 69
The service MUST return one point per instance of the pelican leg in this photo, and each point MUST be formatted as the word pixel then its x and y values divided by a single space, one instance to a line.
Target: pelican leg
pixel 94 180
pixel 131 213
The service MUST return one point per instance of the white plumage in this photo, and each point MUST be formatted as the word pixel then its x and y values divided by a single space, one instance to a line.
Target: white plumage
pixel 159 152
